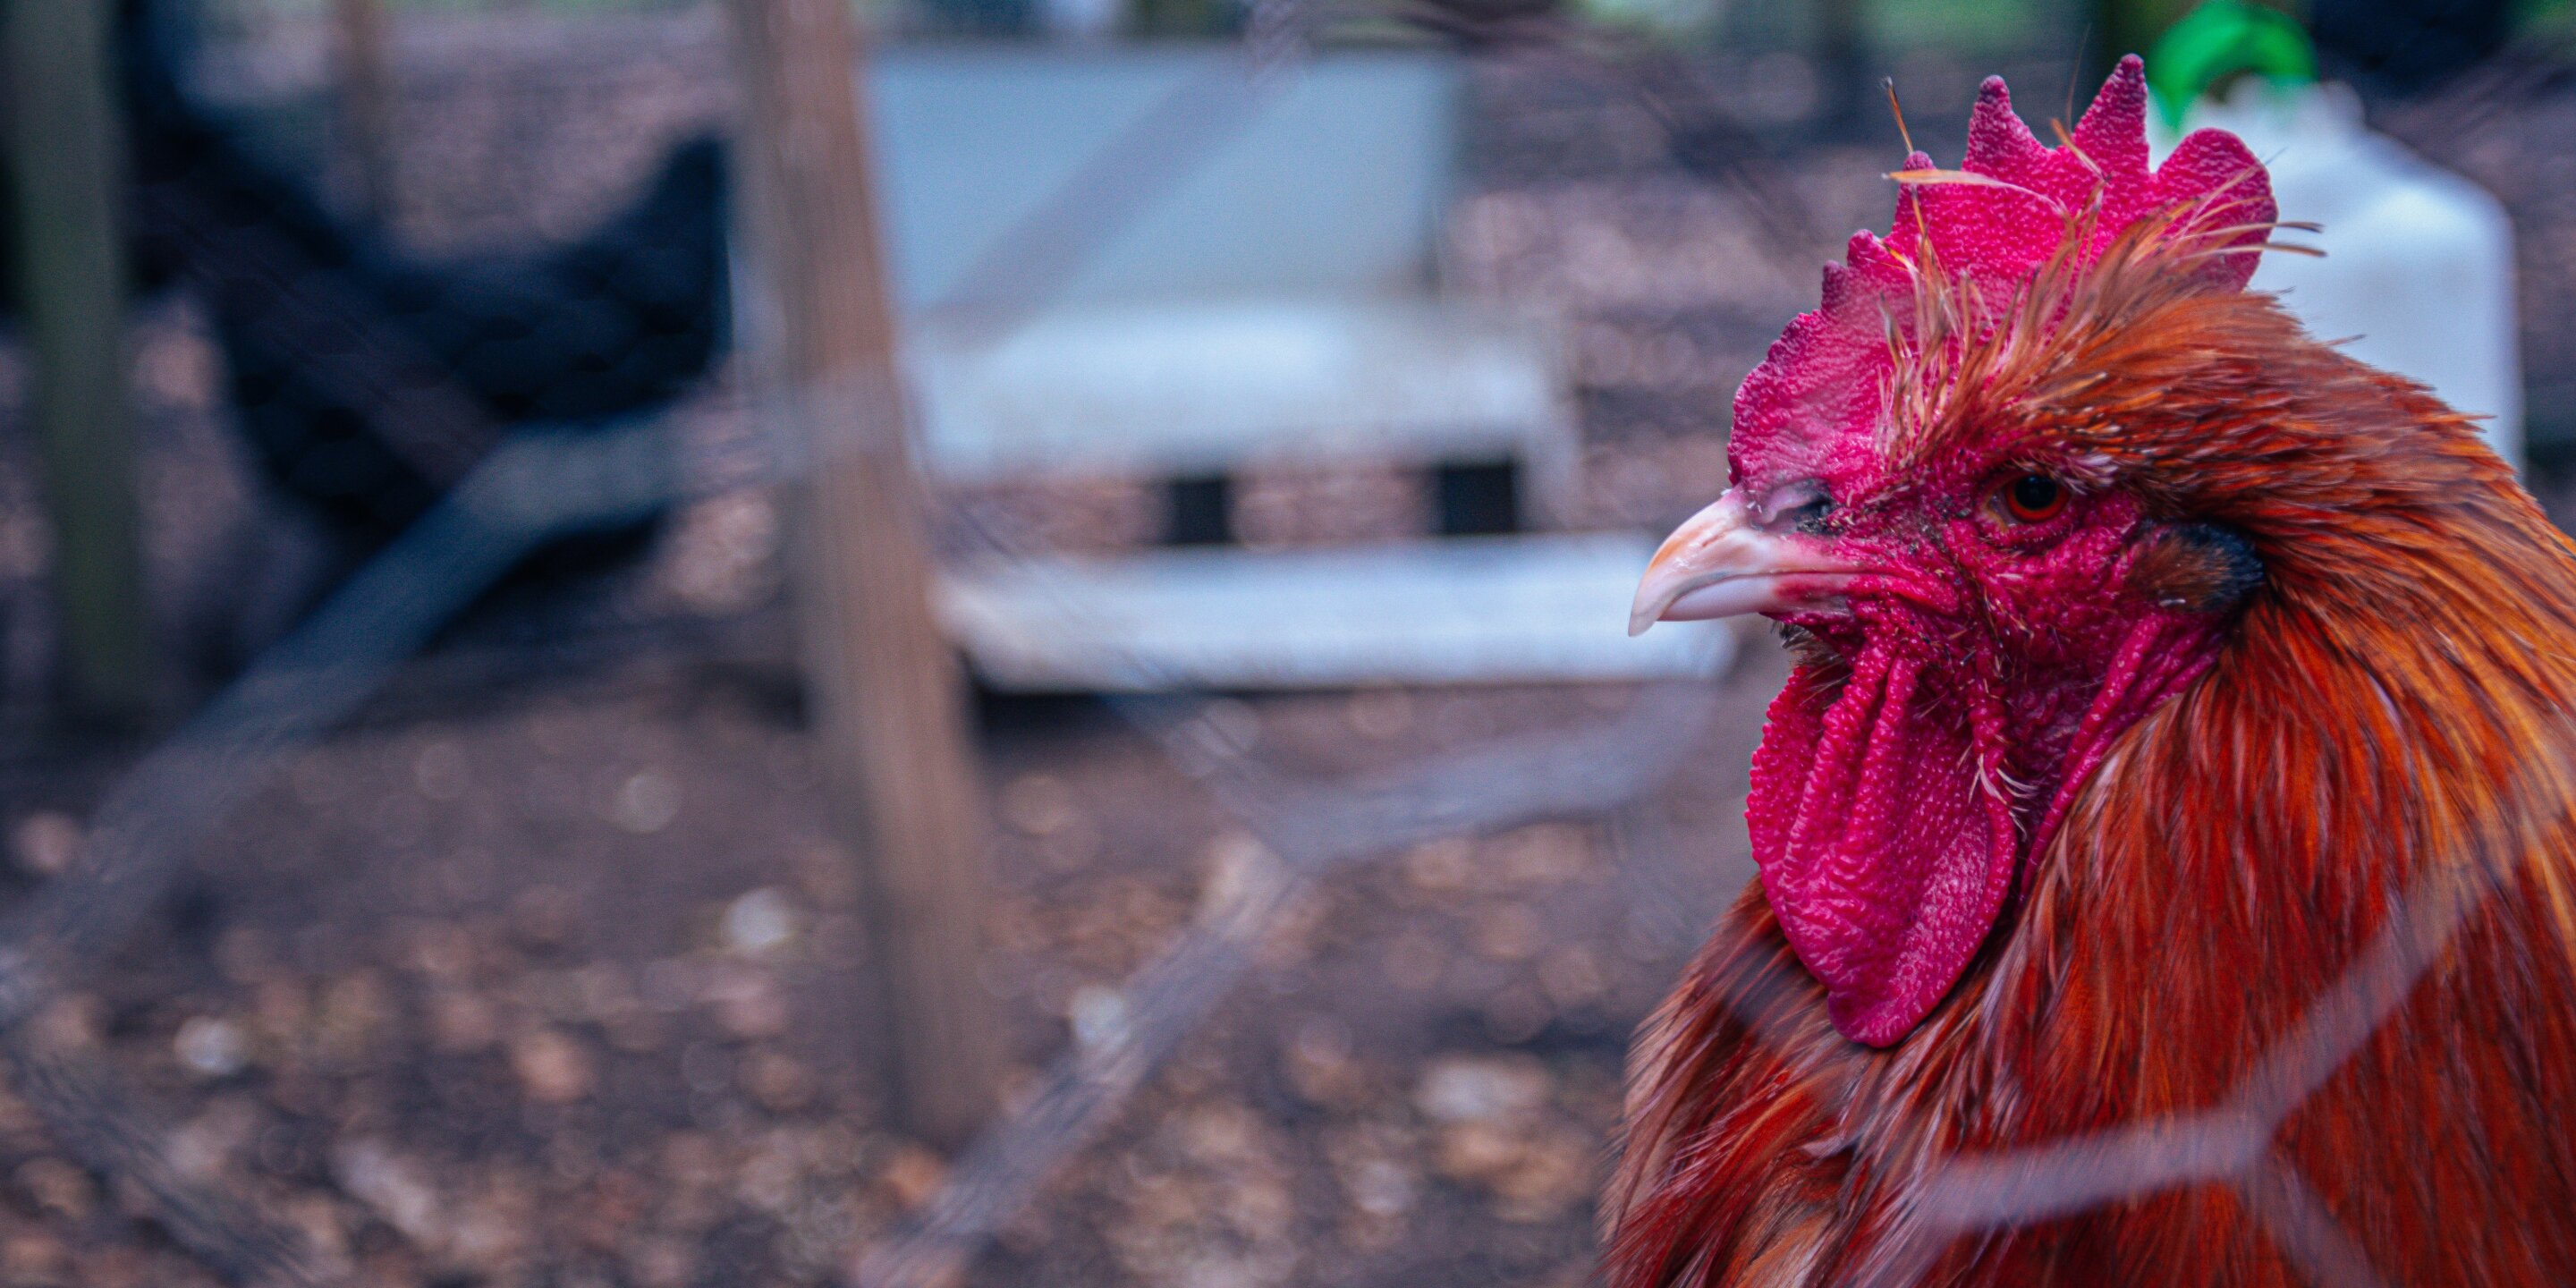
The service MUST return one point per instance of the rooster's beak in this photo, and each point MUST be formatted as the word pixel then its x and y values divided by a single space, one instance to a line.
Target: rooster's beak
pixel 1723 562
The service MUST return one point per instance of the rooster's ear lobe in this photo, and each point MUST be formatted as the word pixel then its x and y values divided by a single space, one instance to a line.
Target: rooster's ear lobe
pixel 2195 567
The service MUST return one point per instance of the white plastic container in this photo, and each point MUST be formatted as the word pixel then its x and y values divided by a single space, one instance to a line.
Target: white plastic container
pixel 2418 270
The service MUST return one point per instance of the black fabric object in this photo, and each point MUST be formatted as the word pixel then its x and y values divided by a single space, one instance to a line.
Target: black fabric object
pixel 1198 511
pixel 1476 500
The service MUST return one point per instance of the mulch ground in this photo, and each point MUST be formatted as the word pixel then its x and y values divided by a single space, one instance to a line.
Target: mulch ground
pixel 570 987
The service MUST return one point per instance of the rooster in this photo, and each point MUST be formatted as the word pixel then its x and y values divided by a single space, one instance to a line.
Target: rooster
pixel 2167 836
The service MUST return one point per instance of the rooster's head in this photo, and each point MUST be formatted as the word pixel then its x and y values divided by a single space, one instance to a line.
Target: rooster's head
pixel 1942 488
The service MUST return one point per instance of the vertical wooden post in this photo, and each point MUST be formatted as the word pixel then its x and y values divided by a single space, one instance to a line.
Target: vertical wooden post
pixel 1852 106
pixel 2118 28
pixel 66 149
pixel 366 103
pixel 884 687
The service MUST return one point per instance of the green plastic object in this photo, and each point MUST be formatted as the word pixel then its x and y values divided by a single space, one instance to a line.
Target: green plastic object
pixel 2218 40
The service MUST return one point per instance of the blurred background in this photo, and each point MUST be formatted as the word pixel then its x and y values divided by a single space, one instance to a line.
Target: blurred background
pixel 726 642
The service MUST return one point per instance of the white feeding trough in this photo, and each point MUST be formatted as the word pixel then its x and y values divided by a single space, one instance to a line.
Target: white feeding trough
pixel 1168 389
pixel 1482 610
pixel 1267 307
pixel 1181 387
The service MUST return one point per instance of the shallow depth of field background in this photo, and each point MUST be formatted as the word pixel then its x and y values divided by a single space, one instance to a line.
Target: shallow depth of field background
pixel 549 964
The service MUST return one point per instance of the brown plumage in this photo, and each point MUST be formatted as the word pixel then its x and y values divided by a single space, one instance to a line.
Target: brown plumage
pixel 2327 876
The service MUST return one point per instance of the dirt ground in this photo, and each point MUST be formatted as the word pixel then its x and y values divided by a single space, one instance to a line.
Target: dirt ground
pixel 568 987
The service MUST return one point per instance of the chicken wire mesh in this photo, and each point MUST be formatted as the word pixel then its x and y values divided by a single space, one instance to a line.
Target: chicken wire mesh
pixel 457 975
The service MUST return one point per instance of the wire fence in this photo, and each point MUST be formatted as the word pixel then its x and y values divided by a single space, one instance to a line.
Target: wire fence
pixel 417 427
pixel 289 313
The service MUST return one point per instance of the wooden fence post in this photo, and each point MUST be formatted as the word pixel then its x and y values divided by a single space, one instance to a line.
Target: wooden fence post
pixel 889 706
pixel 366 103
pixel 2117 28
pixel 66 152
pixel 1852 107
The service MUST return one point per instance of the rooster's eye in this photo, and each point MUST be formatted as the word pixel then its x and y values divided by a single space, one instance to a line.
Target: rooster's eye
pixel 2034 498
pixel 1810 518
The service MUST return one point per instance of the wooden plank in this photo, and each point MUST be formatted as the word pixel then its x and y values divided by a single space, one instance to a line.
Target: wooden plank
pixel 65 146
pixel 884 687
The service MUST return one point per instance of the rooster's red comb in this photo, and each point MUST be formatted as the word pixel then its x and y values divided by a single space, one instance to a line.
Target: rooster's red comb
pixel 2012 205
